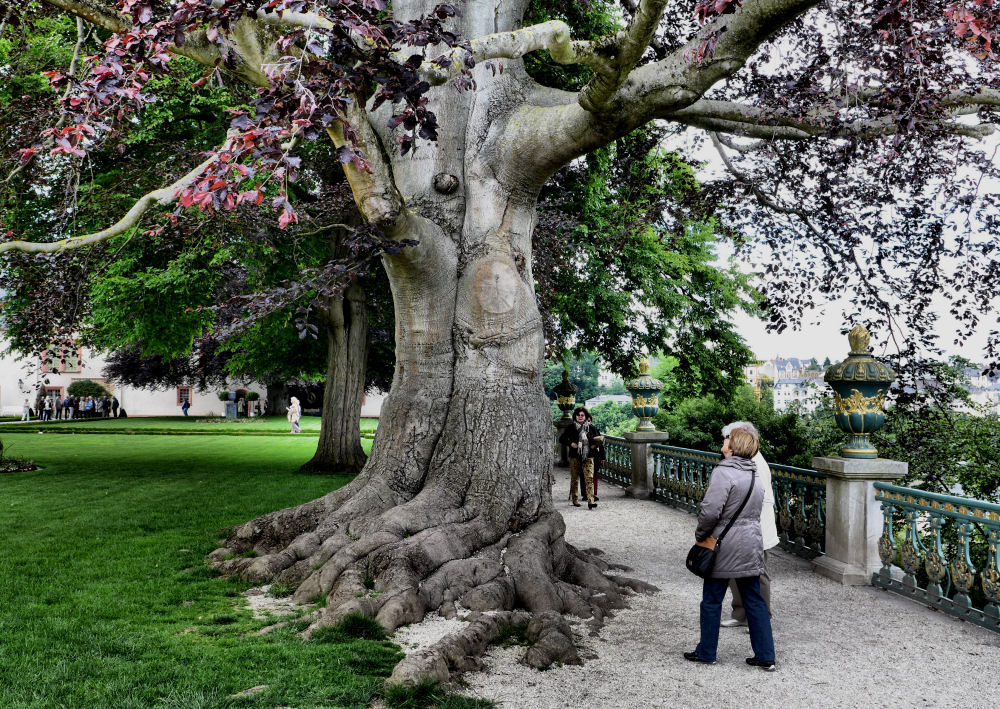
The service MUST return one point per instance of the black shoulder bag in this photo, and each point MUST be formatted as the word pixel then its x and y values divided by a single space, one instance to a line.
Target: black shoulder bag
pixel 701 558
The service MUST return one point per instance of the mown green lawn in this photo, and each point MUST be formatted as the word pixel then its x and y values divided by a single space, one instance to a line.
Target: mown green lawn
pixel 269 425
pixel 105 598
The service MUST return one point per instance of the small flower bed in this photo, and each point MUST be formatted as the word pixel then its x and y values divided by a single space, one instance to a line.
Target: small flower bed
pixel 16 465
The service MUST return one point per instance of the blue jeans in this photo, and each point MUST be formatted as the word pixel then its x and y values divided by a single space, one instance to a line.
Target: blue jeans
pixel 758 617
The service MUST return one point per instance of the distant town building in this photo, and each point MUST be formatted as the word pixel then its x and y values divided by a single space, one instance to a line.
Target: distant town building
pixel 606 379
pixel 617 398
pixel 805 391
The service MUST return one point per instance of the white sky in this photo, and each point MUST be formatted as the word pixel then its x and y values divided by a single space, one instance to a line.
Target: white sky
pixel 820 337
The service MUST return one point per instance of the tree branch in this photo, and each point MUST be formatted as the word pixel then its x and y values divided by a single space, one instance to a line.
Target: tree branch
pixel 287 18
pixel 247 36
pixel 658 89
pixel 654 90
pixel 375 192
pixel 606 81
pixel 822 239
pixel 95 12
pixel 553 35
pixel 752 122
pixel 156 198
pixel 6 18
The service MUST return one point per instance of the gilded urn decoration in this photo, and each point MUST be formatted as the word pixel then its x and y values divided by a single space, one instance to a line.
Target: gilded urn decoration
pixel 859 386
pixel 645 391
pixel 566 395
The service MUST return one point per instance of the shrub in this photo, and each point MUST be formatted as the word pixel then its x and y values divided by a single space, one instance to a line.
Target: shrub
pixel 86 387
pixel 223 396
pixel 252 396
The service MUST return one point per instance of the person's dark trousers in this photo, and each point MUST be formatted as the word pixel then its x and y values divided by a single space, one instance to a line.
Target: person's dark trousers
pixel 765 589
pixel 712 593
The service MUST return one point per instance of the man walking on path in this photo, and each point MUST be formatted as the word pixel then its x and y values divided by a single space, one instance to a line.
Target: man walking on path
pixel 768 528
pixel 26 415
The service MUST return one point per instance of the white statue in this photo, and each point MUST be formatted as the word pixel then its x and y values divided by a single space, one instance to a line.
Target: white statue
pixel 294 414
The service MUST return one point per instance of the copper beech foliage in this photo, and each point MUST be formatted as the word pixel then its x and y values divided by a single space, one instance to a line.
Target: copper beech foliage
pixel 322 70
pixel 879 197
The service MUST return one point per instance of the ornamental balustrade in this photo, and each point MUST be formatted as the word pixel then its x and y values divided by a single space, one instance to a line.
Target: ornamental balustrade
pixel 681 476
pixel 944 545
pixel 800 509
pixel 617 465
pixel 941 550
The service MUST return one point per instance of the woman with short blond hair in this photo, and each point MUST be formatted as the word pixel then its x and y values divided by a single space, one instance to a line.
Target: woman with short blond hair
pixel 733 495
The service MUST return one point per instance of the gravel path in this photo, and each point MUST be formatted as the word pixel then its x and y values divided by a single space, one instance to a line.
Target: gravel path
pixel 836 646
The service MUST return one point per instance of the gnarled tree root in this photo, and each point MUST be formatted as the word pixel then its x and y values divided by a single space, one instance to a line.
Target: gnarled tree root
pixel 548 632
pixel 396 563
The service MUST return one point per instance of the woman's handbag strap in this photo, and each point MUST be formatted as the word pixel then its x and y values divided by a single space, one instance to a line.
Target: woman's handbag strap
pixel 753 481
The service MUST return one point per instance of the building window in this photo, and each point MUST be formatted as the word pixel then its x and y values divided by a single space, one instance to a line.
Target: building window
pixel 61 359
pixel 183 395
pixel 71 359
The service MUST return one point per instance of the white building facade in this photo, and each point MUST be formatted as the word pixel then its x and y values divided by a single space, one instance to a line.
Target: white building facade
pixel 806 391
pixel 24 378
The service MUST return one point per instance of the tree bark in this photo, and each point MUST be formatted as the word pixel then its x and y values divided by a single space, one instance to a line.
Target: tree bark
pixel 339 448
pixel 453 508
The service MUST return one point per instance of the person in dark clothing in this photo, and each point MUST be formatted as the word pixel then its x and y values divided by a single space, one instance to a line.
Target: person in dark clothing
pixel 581 440
pixel 114 406
pixel 598 460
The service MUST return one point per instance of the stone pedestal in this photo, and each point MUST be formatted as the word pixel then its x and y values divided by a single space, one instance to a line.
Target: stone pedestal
pixel 853 517
pixel 642 462
pixel 560 452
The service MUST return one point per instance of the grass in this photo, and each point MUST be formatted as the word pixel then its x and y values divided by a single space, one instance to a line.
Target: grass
pixel 269 425
pixel 513 635
pixel 105 599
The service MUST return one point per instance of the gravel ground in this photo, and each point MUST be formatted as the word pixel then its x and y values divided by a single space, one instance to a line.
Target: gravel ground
pixel 836 646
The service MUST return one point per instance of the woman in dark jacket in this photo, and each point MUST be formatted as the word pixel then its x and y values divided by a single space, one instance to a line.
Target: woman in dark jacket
pixel 581 440
pixel 740 555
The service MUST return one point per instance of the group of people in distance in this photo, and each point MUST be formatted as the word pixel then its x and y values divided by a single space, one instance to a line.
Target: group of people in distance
pixel 741 561
pixel 73 407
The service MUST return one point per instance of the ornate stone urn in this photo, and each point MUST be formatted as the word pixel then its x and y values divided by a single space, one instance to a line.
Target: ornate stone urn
pixel 859 386
pixel 645 391
pixel 565 395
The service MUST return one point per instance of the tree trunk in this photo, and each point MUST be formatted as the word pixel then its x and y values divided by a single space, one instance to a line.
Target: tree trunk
pixel 453 508
pixel 339 448
pixel 277 398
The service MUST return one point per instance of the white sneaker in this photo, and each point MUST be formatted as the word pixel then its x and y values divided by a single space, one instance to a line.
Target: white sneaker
pixel 732 623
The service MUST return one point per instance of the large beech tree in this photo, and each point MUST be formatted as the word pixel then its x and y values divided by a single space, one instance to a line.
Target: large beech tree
pixel 446 142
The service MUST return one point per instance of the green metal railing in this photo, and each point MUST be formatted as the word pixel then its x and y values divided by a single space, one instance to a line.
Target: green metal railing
pixel 617 466
pixel 800 509
pixel 681 476
pixel 943 544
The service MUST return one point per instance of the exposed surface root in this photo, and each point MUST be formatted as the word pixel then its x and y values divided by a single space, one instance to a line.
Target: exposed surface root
pixel 397 562
pixel 548 633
